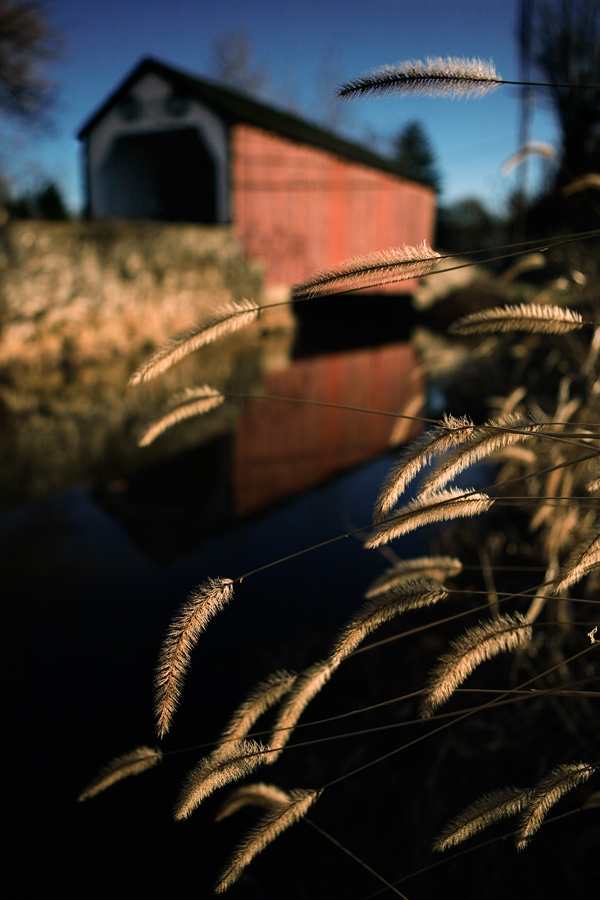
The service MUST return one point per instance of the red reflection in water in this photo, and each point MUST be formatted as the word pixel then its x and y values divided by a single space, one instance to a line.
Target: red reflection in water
pixel 281 448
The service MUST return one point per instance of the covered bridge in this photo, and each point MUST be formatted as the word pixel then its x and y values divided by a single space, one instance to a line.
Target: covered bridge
pixel 168 146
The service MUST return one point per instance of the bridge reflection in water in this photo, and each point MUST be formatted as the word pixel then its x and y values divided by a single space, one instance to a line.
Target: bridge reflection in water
pixel 282 448
pixel 95 609
pixel 291 435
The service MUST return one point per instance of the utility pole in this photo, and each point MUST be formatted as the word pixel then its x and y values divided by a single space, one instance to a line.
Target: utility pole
pixel 525 16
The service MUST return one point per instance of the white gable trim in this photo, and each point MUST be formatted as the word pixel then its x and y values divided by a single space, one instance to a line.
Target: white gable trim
pixel 151 108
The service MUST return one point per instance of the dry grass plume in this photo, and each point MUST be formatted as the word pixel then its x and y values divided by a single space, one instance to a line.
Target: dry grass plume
pixel 532 318
pixel 271 826
pixel 545 794
pixel 380 267
pixel 480 643
pixel 179 642
pixel 449 433
pixel 232 762
pixel 133 763
pixel 435 507
pixel 229 318
pixel 450 77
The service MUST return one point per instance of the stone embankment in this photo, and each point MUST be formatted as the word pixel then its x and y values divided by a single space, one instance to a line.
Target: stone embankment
pixel 81 304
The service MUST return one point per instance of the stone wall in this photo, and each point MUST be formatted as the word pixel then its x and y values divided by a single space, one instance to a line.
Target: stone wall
pixel 81 304
pixel 91 291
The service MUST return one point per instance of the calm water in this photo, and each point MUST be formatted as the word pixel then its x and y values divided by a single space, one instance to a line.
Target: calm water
pixel 93 575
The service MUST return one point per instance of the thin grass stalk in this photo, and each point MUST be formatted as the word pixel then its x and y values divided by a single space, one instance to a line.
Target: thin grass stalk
pixel 459 717
pixel 388 885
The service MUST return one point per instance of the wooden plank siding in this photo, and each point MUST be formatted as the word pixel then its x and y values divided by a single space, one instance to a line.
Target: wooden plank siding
pixel 300 208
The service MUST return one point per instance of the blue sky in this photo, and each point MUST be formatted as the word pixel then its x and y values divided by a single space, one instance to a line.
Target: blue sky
pixel 307 48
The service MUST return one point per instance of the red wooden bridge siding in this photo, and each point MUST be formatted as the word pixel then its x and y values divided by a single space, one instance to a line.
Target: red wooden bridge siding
pixel 300 208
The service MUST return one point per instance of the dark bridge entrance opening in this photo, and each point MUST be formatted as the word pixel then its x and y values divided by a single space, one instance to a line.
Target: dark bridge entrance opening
pixel 168 176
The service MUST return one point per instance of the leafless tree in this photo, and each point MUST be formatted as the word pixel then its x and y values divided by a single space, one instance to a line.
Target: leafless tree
pixel 232 64
pixel 565 49
pixel 27 43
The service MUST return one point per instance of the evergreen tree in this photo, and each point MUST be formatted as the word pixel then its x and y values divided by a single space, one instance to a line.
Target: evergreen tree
pixel 414 156
pixel 47 203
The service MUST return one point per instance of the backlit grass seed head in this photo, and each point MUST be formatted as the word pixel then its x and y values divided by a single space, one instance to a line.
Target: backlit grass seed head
pixel 179 642
pixel 306 687
pixel 133 763
pixel 225 320
pixel 270 827
pixel 236 761
pixel 262 698
pixel 495 435
pixel 413 594
pixel 546 793
pixel 531 318
pixel 450 77
pixel 594 484
pixel 449 433
pixel 579 564
pixel 481 814
pixel 435 507
pixel 380 267
pixel 267 796
pixel 479 644
pixel 437 568
pixel 191 402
